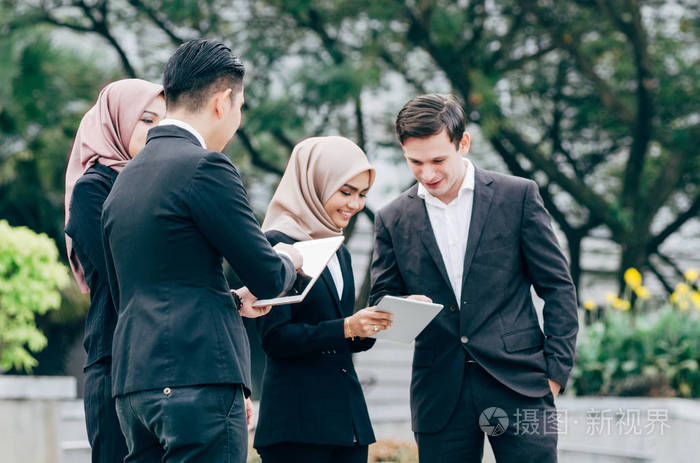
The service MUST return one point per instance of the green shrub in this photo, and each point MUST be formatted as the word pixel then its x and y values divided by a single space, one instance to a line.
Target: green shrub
pixel 30 279
pixel 651 354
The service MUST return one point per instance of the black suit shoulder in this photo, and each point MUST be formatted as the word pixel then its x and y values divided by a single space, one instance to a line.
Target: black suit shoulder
pixel 276 236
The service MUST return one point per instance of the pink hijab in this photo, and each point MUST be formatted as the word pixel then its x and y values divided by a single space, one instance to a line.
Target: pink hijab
pixel 103 137
pixel 318 167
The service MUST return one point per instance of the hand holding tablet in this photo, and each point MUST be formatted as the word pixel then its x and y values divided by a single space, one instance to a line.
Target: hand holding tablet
pixel 411 316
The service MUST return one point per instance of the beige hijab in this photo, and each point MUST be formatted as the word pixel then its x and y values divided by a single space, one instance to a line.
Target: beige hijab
pixel 103 137
pixel 318 167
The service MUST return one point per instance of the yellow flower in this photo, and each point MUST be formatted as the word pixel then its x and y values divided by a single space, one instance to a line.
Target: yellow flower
pixel 691 275
pixel 590 305
pixel 682 288
pixel 632 277
pixel 621 304
pixel 642 293
pixel 683 305
pixel 610 298
pixel 695 297
pixel 674 297
pixel 684 389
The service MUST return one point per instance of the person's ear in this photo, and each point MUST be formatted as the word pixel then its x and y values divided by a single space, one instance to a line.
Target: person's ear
pixel 464 144
pixel 222 100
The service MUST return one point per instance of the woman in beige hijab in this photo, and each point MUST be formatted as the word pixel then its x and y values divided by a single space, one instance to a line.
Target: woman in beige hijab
pixel 111 133
pixel 312 407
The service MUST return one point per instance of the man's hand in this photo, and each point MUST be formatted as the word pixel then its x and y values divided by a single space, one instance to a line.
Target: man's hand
pixel 249 412
pixel 247 300
pixel 419 297
pixel 555 387
pixel 292 252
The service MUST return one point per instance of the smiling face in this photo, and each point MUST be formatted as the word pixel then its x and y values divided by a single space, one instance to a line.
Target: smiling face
pixel 437 163
pixel 348 200
pixel 150 117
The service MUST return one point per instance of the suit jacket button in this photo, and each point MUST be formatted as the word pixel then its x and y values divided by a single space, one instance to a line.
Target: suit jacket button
pixel 453 308
pixel 464 339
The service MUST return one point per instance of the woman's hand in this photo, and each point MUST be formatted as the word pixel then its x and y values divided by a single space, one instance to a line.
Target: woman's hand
pixel 367 322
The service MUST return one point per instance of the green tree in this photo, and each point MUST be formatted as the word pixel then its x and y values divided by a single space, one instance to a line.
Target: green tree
pixel 45 89
pixel 595 100
pixel 30 279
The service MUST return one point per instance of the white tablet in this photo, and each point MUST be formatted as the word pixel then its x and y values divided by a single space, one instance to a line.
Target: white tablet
pixel 410 318
pixel 316 254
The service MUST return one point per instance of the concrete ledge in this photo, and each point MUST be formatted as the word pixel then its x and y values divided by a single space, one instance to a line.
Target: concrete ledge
pixel 38 387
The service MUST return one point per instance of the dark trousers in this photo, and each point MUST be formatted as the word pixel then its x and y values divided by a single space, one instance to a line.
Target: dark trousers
pixel 200 424
pixel 292 452
pixel 105 436
pixel 519 428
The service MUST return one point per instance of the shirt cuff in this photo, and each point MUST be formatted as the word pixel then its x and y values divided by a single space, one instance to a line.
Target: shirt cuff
pixel 290 272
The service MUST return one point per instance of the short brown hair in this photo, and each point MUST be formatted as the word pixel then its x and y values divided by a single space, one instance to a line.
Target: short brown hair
pixel 429 114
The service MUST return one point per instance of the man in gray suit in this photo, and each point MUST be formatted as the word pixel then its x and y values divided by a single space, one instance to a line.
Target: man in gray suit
pixel 476 241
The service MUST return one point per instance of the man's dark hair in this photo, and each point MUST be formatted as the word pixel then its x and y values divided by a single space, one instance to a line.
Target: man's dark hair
pixel 196 70
pixel 430 114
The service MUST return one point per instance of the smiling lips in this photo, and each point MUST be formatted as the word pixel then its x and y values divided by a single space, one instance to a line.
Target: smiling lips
pixel 434 184
pixel 345 215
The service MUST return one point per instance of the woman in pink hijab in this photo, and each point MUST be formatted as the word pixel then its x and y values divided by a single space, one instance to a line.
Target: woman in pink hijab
pixel 111 133
pixel 312 406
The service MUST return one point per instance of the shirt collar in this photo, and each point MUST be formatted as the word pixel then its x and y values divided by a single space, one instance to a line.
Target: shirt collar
pixel 185 126
pixel 467 184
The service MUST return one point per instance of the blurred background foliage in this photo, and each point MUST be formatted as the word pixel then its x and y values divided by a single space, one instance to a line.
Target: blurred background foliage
pixel 595 100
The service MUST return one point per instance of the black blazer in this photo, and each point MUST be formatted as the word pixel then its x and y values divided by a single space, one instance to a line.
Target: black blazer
pixel 510 246
pixel 175 211
pixel 85 228
pixel 310 391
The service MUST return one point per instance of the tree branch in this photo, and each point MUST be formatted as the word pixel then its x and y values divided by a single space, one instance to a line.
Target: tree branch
pixel 667 286
pixel 255 156
pixel 567 40
pixel 598 207
pixel 155 19
pixel 691 213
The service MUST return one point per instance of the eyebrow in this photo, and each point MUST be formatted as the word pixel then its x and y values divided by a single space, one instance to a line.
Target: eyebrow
pixel 436 158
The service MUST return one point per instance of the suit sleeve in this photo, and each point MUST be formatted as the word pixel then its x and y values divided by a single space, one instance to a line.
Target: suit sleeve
pixel 549 273
pixel 284 339
pixel 219 205
pixel 361 344
pixel 110 271
pixel 384 273
pixel 85 225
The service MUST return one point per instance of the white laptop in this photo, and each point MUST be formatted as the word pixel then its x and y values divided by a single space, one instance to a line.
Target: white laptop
pixel 316 254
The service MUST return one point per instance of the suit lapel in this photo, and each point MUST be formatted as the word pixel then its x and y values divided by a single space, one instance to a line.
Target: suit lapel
pixel 483 194
pixel 348 300
pixel 330 285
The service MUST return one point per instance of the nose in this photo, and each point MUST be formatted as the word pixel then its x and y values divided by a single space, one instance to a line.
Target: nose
pixel 428 174
pixel 354 203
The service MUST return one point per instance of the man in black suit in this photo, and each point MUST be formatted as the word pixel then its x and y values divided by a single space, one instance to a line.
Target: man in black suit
pixel 476 241
pixel 181 360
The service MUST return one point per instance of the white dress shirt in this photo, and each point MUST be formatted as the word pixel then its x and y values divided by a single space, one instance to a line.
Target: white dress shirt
pixel 450 224
pixel 185 126
pixel 337 274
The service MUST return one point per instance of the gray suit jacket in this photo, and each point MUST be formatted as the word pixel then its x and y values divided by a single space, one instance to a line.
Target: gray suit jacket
pixel 510 247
